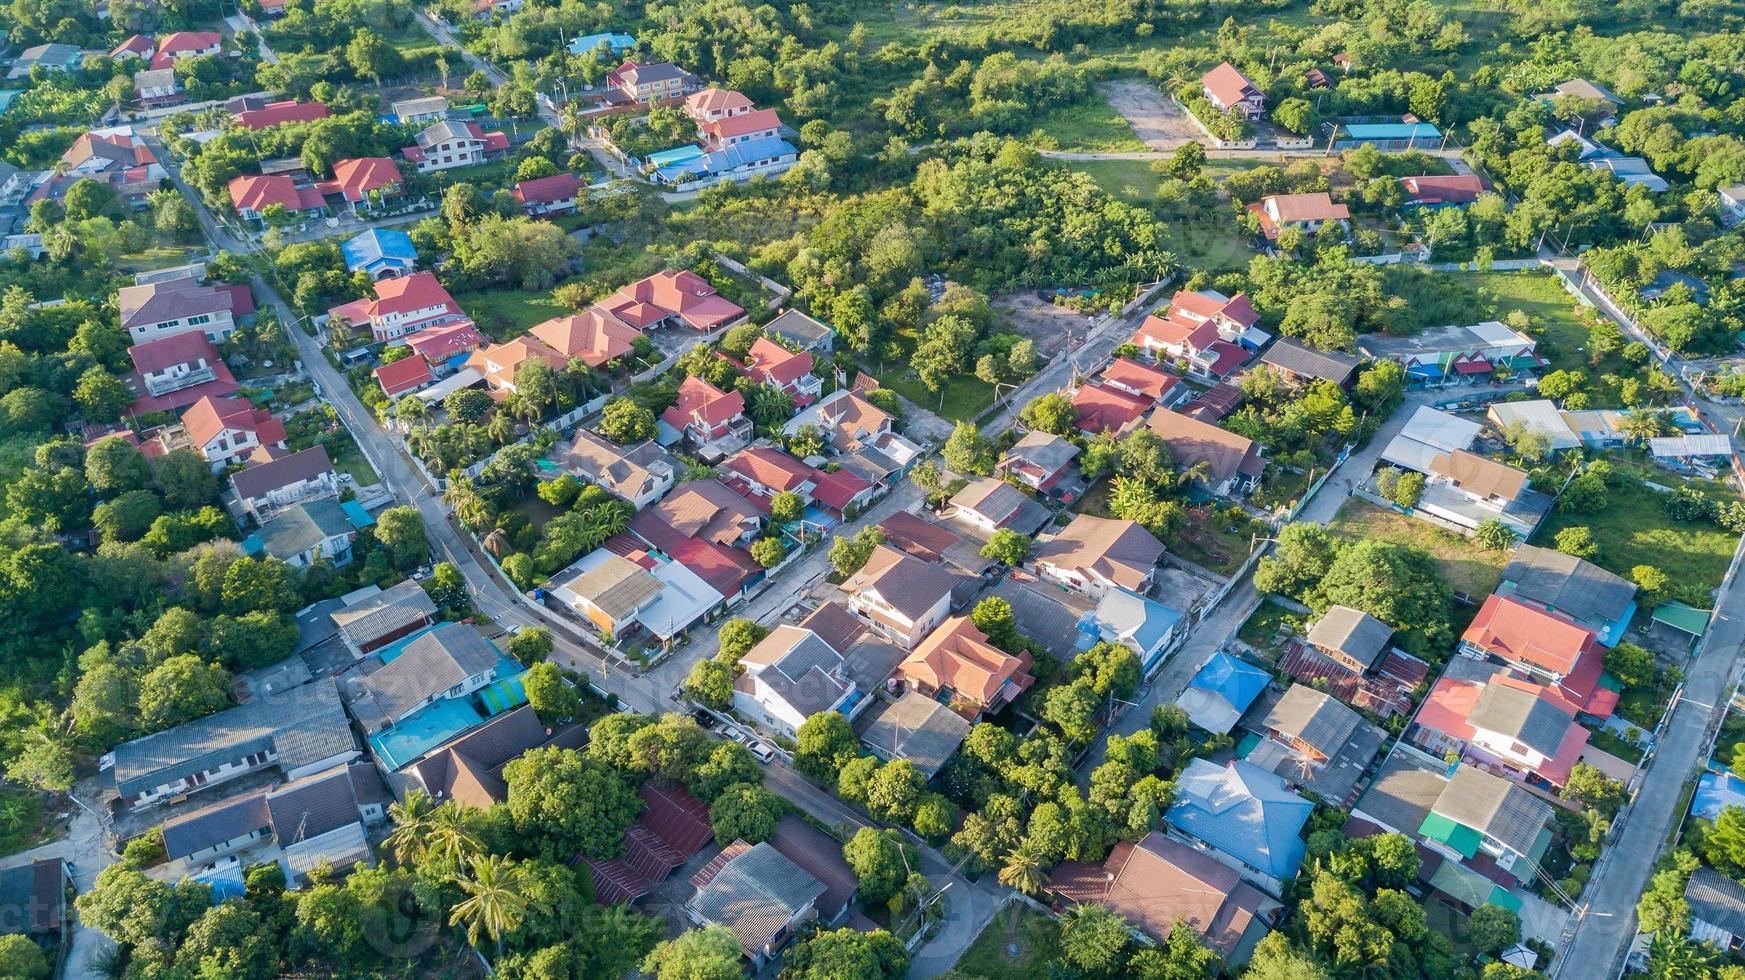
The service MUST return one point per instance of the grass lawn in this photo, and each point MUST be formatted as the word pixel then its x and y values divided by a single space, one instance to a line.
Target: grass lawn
pixel 1609 743
pixel 1095 501
pixel 1266 628
pixel 1469 569
pixel 1634 529
pixel 1017 945
pixel 1217 543
pixel 537 510
pixel 353 462
pixel 1130 180
pixel 505 313
pixel 1091 126
pixel 156 257
pixel 487 176
pixel 965 396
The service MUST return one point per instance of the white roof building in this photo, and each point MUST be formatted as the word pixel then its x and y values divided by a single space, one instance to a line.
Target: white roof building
pixel 1539 416
pixel 1427 434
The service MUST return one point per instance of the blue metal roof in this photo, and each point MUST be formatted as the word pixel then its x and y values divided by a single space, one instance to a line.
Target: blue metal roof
pixel 1236 682
pixel 723 161
pixel 377 244
pixel 1244 811
pixel 1390 131
pixel 619 43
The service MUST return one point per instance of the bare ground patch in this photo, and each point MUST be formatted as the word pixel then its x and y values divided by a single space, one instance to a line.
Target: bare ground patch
pixel 1042 321
pixel 1154 118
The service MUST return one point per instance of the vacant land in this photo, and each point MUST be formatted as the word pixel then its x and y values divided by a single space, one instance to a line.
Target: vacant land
pixel 1154 119
pixel 1042 321
pixel 1472 571
pixel 1019 944
pixel 504 313
pixel 1091 126
pixel 1634 529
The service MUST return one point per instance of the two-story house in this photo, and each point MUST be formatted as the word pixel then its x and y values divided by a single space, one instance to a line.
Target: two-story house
pixel 447 144
pixel 655 82
pixel 759 473
pixel 1094 554
pixel 449 661
pixel 180 362
pixel 673 298
pixel 1233 463
pixel 988 505
pixel 1309 213
pixel 403 304
pixel 705 413
pixel 187 44
pixel 900 597
pixel 499 362
pixel 957 665
pixel 1230 91
pixel 1477 812
pixel 307 532
pixel 1039 460
pixel 157 87
pixel 791 675
pixel 156 310
pixel 716 103
pixel 266 487
pixel 227 430
pixel 1153 384
pixel 1511 726
pixel 1544 646
pixel 641 474
pixel 254 194
pixel 1196 344
pixel 769 363
pixel 595 335
pixel 725 131
pixel 1233 316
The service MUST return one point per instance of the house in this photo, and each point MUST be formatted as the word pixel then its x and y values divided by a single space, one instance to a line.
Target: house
pixel 187 44
pixel 1428 434
pixel 1572 587
pixel 427 109
pixel 1477 812
pixel 702 510
pixel 672 828
pixel 1409 133
pixel 615 43
pixel 179 370
pixel 1466 490
pixel 157 87
pixel 363 180
pixel 33 900
pixel 1678 451
pixel 403 304
pixel 1717 909
pixel 957 666
pixel 1094 554
pixel 819 855
pixel 915 727
pixel 380 253
pixel 305 533
pixel 758 893
pixel 50 58
pixel 1308 213
pixel 673 299
pixel 900 597
pixel 1505 725
pixel 1157 883
pixel 724 131
pixel 801 332
pixel 742 160
pixel 595 335
pixel 705 414
pixel 468 770
pixel 1145 626
pixel 253 195
pixel 280 114
pixel 498 363
pixel 486 9
pixel 1317 743
pixel 1221 691
pixel 1581 88
pixel 185 305
pixel 446 145
pixel 1039 460
pixel 760 473
pixel 374 621
pixel 1233 317
pixel 990 505
pixel 1233 464
pixel 1247 816
pixel 655 82
pixel 1303 363
pixel 112 152
pixel 444 345
pixel 1197 345
pixel 729 570
pixel 1630 171
pixel 228 430
pixel 1230 91
pixel 14 185
pixel 1455 354
pixel 1102 408
pixel 641 474
pixel 933 542
pixel 1143 381
pixel 1544 646
pixel 292 812
pixel 712 104
pixel 851 424
pixel 299 731
pixel 1732 204
pixel 1597 429
pixel 406 375
pixel 662 598
pixel 1351 638
pixel 545 196
pixel 266 487
pixel 1442 190
pixel 1539 416
pixel 769 363
pixel 448 661
pixel 790 676
pixel 1315 79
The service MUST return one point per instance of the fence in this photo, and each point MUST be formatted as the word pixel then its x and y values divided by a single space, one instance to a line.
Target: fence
pixel 782 292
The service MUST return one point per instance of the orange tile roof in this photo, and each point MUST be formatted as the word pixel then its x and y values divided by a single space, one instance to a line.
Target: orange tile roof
pixel 1514 630
pixel 595 335
pixel 958 656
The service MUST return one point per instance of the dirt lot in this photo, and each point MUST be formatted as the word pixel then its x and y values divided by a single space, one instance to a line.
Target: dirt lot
pixel 1041 321
pixel 1154 118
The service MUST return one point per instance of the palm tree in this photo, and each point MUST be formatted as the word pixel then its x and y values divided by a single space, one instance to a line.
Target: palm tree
pixel 1641 426
pixel 494 904
pixel 1675 957
pixel 411 817
pixel 464 500
pixel 450 835
pixel 501 428
pixel 1023 871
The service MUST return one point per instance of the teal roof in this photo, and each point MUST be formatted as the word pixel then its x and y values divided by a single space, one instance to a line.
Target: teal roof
pixel 1685 619
pixel 355 513
pixel 502 695
pixel 678 154
pixel 1390 131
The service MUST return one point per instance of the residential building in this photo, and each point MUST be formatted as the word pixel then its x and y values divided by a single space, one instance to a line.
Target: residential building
pixel 380 253
pixel 187 44
pixel 934 542
pixel 52 58
pixel 1506 725
pixel 758 893
pixel 498 363
pixel 655 82
pixel 253 195
pixel 235 824
pixel 547 196
pixel 304 533
pixel 1308 213
pixel 33 900
pixel 957 665
pixel 1094 554
pixel 229 430
pixel 852 425
pixel 902 598
pixel 765 156
pixel 14 185
pixel 1732 201
pixel 700 509
pixel 790 676
pixel 801 332
pixel 1233 464
pixel 672 828
pixel 185 305
pixel 1195 345
pixel 1039 460
pixel 1454 354
pixel 1717 909
pixel 1247 816
pixel 1156 884
pixel 705 414
pixel 468 770
pixel 1221 692
pixel 1539 416
pixel 1102 408
pixel 376 620
pixel 1143 381
pixel 1572 587
pixel 728 130
pixel 299 731
pixel 266 487
pixel 426 109
pixel 1233 317
pixel 1465 490
pixel 819 855
pixel 769 363
pixel 1350 637
pixel 446 145
pixel 446 662
pixel 1230 91
pixel 717 103
pixel 661 598
pixel 1303 363
pixel 1429 434
pixel 111 152
pixel 364 180
pixel 156 87
pixel 280 114
pixel 292 813
pixel 404 376
pixel 1581 88
pixel 1477 812
pixel 1543 645
pixel 1143 625
pixel 641 474
pixel 915 727
pixel 1314 742
pixel 1442 190
pixel 1410 133
pixel 445 345
pixel 760 472
pixel 673 299
pixel 990 505
pixel 179 370
pixel 595 335
pixel 1680 451
pixel 403 304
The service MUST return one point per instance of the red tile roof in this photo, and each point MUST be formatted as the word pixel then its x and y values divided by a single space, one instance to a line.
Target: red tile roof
pixel 699 401
pixel 180 43
pixel 769 361
pixel 439 343
pixel 549 190
pixel 595 335
pixel 403 375
pixel 210 416
pixel 1227 85
pixel 138 45
pixel 403 294
pixel 355 179
pixel 1444 188
pixel 1102 408
pixel 1513 630
pixel 716 100
pixel 257 193
pixel 771 468
pixel 837 490
pixel 1175 332
pixel 280 113
pixel 1151 381
pixel 728 127
pixel 682 294
pixel 1238 309
pixel 1227 357
pixel 725 569
pixel 184 348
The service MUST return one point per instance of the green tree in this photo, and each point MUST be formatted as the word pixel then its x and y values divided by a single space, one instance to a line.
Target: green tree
pixel 128 516
pixel 624 421
pixel 847 555
pixel 25 960
pixel 995 618
pixel 401 531
pixel 1578 541
pixel 967 451
pixel 1007 547
pixel 229 940
pixel 768 552
pixel 102 395
pixel 1675 957
pixel 181 689
pixel 1187 161
pixel 531 645
pixel 259 583
pixel 551 696
pixel 844 953
pixel 1073 709
pixel 493 904
pixel 710 683
pixel 564 804
pixel 709 953
pixel 877 858
pixel 1053 413
pixel 1094 938
pixel 786 508
pixel 1493 929
pixel 1631 664
pixel 113 466
pixel 447 588
pixel 746 812
pixel 738 636
pixel 185 480
pixel 1493 535
pixel 134 910
pixel 824 744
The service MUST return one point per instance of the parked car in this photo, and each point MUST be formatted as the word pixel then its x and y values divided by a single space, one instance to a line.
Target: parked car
pixel 763 750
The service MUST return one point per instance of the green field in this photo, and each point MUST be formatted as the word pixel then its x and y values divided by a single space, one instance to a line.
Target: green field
pixel 505 313
pixel 1634 529
pixel 1092 126
pixel 963 397
pixel 1210 243
pixel 1472 571
pixel 1017 945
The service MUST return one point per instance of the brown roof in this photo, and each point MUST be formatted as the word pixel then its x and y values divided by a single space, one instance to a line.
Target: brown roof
pixel 1228 85
pixel 922 538
pixel 1159 882
pixel 820 855
pixel 909 585
pixel 835 625
pixel 595 335
pixel 704 509
pixel 959 657
pixel 1193 441
pixel 1318 206
pixel 1121 551
pixel 1479 476
pixel 263 478
pixel 469 769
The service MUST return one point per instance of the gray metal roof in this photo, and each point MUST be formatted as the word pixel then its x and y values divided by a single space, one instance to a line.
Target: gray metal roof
pixel 1295 357
pixel 303 725
pixel 1567 583
pixel 215 824
pixel 796 327
pixel 303 526
pixel 1356 634
pixel 1313 717
pixel 1045 449
pixel 1717 900
pixel 263 478
pixel 339 849
pixel 801 674
pixel 1495 807
pixel 429 665
pixel 1403 791
pixel 755 894
pixel 916 728
pixel 313 805
pixel 1522 716
pixel 385 612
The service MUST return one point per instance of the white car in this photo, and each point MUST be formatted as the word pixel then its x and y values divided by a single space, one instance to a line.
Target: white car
pixel 762 750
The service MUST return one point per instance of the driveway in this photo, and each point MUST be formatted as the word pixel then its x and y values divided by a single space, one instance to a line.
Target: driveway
pixel 1155 119
pixel 86 847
